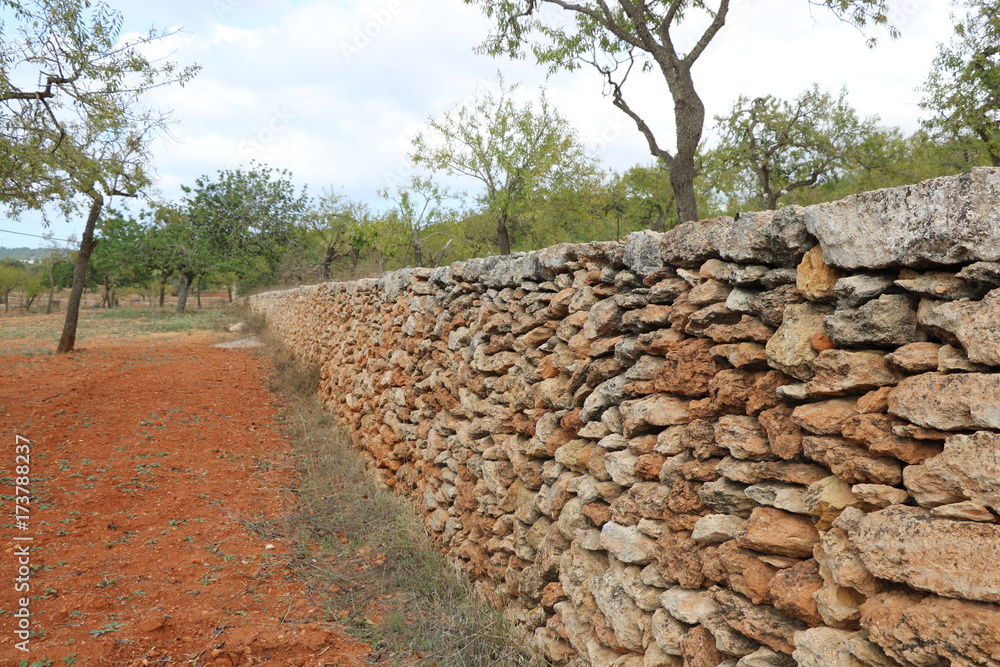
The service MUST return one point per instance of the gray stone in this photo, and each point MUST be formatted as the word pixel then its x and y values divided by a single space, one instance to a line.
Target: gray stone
pixel 973 323
pixel 689 606
pixel 824 647
pixel 790 349
pixel 766 657
pixel 950 220
pixel 689 244
pixel 642 252
pixel 733 274
pixel 904 544
pixel 726 497
pixel 778 277
pixel 763 623
pixel 627 544
pixel 961 401
pixel 940 285
pixel 777 238
pixel 852 291
pixel 888 321
pixel 716 528
pixel 629 623
pixel 667 632
pixel 983 273
pixel 789 497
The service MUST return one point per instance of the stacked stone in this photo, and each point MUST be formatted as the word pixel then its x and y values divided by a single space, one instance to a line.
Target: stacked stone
pixel 761 441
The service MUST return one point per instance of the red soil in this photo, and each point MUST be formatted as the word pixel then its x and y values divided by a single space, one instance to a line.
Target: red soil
pixel 158 475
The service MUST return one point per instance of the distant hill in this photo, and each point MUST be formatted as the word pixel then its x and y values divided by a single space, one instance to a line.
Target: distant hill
pixel 24 254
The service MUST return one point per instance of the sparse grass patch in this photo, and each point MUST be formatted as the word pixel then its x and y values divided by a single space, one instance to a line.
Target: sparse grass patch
pixel 364 553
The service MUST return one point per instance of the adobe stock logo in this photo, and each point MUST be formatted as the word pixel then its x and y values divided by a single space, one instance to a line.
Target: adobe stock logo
pixel 377 22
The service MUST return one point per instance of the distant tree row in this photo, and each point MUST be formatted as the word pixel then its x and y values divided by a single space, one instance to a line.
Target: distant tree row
pixel 492 176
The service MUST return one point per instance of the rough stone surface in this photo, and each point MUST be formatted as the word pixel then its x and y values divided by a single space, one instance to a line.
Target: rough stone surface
pixel 933 630
pixel 654 453
pixel 904 544
pixel 916 225
pixel 968 468
pixel 840 372
pixel 973 323
pixel 790 349
pixel 888 321
pixel 949 402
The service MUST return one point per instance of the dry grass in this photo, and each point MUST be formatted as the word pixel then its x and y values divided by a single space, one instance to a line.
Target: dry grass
pixel 363 551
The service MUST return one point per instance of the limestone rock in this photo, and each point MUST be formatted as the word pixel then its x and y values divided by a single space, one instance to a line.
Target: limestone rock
pixel 933 630
pixel 627 543
pixel 689 244
pixel 825 417
pixel 851 462
pixel 939 285
pixel 827 498
pixel 788 497
pixel 880 495
pixel 656 410
pixel 770 530
pixel 731 273
pixel 824 647
pixel 667 632
pixel 951 358
pixel 854 290
pixel 763 623
pixel 766 657
pixel 629 623
pixel 949 402
pixel 742 436
pixel 815 278
pixel 698 648
pixel 688 606
pixel 790 349
pixel 792 591
pixel 969 467
pixel 973 323
pixel 840 372
pixel 964 511
pixel 777 238
pixel 982 273
pixel 915 357
pixel 888 321
pixel 903 544
pixel 716 528
pixel 948 220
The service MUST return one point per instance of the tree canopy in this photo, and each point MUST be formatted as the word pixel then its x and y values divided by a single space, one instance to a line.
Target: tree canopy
pixel 619 38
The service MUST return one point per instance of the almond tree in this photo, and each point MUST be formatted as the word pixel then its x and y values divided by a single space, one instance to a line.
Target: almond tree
pixel 73 130
pixel 617 38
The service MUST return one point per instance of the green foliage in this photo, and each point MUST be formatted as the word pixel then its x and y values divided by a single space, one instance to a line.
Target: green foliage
pixel 519 154
pixel 962 92
pixel 242 221
pixel 770 147
pixel 617 38
pixel 79 127
pixel 414 221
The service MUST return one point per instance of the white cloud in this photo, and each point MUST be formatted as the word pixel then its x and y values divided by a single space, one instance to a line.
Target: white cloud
pixel 334 90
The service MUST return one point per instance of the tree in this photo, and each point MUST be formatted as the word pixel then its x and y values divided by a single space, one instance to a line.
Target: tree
pixel 120 257
pixel 340 226
pixel 515 152
pixel 769 147
pixel 417 208
pixel 615 40
pixel 81 135
pixel 962 92
pixel 242 222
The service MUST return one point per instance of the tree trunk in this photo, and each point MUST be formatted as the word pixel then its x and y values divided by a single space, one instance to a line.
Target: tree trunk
pixel 31 300
pixel 182 293
pixel 198 292
pixel 6 295
pixel 689 119
pixel 87 243
pixel 503 235
pixel 52 285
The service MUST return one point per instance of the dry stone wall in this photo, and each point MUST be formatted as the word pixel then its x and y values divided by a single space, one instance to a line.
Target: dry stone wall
pixel 761 441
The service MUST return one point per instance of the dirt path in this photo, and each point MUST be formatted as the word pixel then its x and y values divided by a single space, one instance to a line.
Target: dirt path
pixel 157 476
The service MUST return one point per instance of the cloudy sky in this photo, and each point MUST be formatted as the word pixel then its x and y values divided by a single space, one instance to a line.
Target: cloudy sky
pixel 335 90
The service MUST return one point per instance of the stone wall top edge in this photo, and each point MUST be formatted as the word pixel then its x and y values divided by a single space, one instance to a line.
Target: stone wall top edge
pixel 941 221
